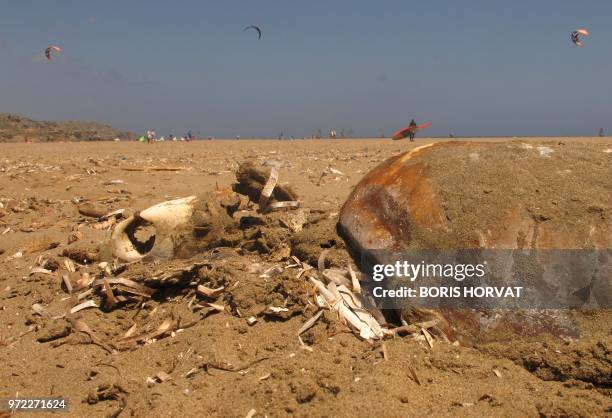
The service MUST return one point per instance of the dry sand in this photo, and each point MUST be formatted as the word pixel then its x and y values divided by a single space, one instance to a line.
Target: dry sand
pixel 339 375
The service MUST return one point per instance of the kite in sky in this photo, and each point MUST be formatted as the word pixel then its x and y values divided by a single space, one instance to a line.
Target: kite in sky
pixel 577 35
pixel 51 48
pixel 254 28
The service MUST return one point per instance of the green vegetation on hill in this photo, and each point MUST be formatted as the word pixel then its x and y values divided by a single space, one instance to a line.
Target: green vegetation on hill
pixel 15 128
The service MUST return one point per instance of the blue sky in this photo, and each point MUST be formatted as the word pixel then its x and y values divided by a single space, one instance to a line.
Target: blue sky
pixel 473 67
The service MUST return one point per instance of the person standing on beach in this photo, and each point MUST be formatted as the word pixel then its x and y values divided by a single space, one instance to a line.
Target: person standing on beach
pixel 413 129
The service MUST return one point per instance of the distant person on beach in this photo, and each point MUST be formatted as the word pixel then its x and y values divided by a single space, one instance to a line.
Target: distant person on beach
pixel 413 129
pixel 601 132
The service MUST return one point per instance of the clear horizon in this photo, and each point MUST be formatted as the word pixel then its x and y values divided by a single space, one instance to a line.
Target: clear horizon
pixel 475 69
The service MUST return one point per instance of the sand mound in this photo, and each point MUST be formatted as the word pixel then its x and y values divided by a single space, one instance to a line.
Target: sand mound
pixel 484 195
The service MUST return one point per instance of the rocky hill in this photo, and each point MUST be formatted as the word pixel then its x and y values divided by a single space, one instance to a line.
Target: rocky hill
pixel 14 128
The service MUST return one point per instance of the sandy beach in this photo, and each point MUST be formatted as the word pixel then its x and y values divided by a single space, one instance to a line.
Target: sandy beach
pixel 216 362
